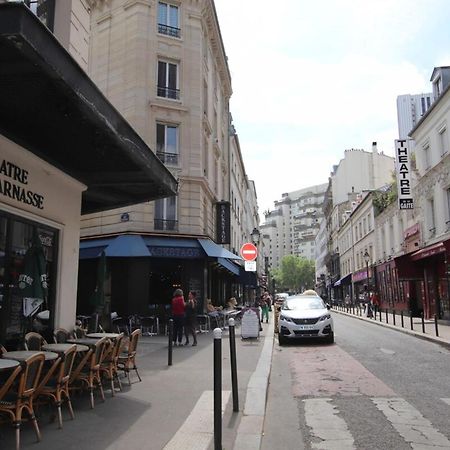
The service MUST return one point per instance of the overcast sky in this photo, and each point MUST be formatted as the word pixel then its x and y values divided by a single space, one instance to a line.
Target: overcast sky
pixel 312 78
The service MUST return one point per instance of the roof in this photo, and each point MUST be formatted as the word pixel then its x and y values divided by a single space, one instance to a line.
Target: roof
pixel 51 107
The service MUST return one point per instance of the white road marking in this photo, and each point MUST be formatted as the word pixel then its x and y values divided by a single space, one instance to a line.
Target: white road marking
pixel 197 431
pixel 326 426
pixel 387 351
pixel 411 425
pixel 446 400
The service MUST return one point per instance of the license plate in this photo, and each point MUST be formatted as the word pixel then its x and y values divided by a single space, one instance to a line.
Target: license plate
pixel 306 327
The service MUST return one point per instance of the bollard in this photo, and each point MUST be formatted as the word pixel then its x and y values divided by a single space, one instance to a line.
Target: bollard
pixel 217 389
pixel 234 380
pixel 401 316
pixel 436 325
pixel 393 315
pixel 423 322
pixel 169 356
pixel 387 317
pixel 380 311
pixel 411 320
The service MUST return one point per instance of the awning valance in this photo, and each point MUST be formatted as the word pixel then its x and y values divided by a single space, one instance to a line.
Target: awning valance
pixel 216 251
pixel 344 280
pixel 431 250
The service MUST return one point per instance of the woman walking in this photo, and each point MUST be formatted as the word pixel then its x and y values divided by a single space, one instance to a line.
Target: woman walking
pixel 178 310
pixel 190 323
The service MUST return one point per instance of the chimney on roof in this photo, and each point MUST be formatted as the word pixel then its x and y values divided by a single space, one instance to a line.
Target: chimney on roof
pixel 374 147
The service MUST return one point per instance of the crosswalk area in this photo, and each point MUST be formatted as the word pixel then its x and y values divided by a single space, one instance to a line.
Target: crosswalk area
pixel 404 425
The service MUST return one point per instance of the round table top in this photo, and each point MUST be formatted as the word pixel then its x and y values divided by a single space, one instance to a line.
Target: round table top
pixel 8 364
pixel 102 335
pixel 61 348
pixel 82 341
pixel 25 354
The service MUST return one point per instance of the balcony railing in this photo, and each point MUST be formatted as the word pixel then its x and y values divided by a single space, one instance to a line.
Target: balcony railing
pixel 168 158
pixel 166 225
pixel 168 31
pixel 167 92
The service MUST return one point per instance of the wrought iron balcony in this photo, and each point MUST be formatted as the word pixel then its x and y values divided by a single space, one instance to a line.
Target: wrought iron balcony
pixel 167 92
pixel 166 225
pixel 168 158
pixel 168 31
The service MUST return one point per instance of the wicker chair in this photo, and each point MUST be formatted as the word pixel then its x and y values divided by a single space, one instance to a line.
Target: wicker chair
pixel 14 401
pixel 89 374
pixel 2 350
pixel 58 385
pixel 60 335
pixel 109 364
pixel 34 341
pixel 127 361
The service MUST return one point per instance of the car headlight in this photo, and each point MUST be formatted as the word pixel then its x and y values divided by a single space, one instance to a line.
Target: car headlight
pixel 287 319
pixel 325 317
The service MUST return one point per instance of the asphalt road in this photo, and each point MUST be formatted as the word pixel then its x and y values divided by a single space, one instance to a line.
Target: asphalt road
pixel 375 388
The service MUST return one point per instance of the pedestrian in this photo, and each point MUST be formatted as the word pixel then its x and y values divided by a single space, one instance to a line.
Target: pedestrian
pixel 375 302
pixel 190 320
pixel 178 310
pixel 265 308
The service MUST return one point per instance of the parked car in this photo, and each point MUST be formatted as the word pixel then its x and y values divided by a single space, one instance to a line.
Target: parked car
pixel 305 316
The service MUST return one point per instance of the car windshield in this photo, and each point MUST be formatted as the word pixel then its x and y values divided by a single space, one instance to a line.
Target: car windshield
pixel 304 303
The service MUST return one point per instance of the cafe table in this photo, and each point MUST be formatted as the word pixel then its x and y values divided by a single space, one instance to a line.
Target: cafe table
pixel 102 335
pixel 61 348
pixel 22 355
pixel 7 364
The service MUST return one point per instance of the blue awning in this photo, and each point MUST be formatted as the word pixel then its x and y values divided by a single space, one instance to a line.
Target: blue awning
pixel 216 251
pixel 123 246
pixel 167 247
pixel 343 280
pixel 233 268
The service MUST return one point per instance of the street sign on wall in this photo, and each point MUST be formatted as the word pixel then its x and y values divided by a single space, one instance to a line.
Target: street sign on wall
pixel 249 252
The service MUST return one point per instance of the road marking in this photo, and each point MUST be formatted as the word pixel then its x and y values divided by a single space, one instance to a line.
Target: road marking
pixel 328 430
pixel 387 351
pixel 410 424
pixel 197 431
pixel 446 400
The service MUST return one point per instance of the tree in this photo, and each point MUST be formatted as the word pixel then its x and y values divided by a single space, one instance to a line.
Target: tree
pixel 296 273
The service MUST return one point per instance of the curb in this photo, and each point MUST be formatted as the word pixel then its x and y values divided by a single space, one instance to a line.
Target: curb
pixel 426 337
pixel 249 432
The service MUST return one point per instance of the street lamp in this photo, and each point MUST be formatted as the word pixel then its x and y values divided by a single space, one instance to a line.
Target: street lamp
pixel 366 257
pixel 255 235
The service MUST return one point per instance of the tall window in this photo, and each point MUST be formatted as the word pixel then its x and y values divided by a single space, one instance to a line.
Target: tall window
pixel 443 140
pixel 431 217
pixel 167 143
pixel 168 19
pixel 166 214
pixel 168 80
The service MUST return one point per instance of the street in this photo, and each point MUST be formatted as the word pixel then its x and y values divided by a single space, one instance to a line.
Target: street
pixel 374 389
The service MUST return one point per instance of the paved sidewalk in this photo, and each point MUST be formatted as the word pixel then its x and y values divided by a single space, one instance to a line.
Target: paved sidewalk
pixel 414 327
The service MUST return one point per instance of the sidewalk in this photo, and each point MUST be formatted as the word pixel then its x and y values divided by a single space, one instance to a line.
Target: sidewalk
pixel 171 408
pixel 414 327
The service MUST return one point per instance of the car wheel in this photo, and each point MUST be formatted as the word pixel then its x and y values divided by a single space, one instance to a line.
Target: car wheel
pixel 330 338
pixel 281 339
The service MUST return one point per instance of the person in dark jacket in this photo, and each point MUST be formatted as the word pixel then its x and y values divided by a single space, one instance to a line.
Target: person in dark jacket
pixel 178 310
pixel 190 321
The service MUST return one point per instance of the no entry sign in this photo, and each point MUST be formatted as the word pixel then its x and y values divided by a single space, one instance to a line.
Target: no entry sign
pixel 249 252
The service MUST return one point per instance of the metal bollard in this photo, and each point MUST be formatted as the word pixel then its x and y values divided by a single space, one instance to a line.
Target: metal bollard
pixel 411 320
pixel 423 322
pixel 387 317
pixel 234 380
pixel 436 325
pixel 169 355
pixel 393 315
pixel 401 316
pixel 217 389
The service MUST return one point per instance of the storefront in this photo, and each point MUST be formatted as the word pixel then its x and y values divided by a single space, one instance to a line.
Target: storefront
pixel 363 284
pixel 64 151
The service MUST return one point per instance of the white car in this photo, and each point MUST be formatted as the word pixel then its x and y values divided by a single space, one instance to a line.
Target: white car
pixel 305 316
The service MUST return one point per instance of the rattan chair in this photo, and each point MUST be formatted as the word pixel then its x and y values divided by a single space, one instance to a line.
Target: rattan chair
pixel 34 341
pixel 89 375
pixel 2 350
pixel 14 400
pixel 60 335
pixel 127 361
pixel 108 368
pixel 58 386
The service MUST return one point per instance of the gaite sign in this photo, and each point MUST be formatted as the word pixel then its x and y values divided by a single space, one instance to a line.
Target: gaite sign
pixel 249 252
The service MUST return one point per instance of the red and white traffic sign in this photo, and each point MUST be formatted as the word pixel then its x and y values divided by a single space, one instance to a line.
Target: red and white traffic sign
pixel 249 252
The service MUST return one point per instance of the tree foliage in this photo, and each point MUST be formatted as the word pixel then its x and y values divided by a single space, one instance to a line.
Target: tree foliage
pixel 295 274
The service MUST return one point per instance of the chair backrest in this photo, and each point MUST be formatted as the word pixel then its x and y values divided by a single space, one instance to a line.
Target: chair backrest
pixel 134 341
pixel 34 341
pixel 2 350
pixel 60 335
pixel 117 346
pixel 5 386
pixel 31 371
pixel 79 333
pixel 66 364
pixel 99 351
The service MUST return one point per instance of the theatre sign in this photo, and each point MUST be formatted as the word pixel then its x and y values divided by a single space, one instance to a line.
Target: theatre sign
pixel 403 171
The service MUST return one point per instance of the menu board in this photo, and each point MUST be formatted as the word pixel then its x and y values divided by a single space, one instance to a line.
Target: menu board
pixel 250 325
pixel 15 317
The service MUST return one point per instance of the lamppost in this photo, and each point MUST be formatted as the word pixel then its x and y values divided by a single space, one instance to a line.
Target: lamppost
pixel 366 257
pixel 255 236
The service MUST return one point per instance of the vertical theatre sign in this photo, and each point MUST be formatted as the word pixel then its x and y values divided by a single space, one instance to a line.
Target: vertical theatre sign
pixel 223 223
pixel 403 171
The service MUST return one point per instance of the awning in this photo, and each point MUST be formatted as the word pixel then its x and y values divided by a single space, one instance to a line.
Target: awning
pixel 124 246
pixel 344 280
pixel 230 266
pixel 428 251
pixel 216 251
pixel 168 247
pixel 52 108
